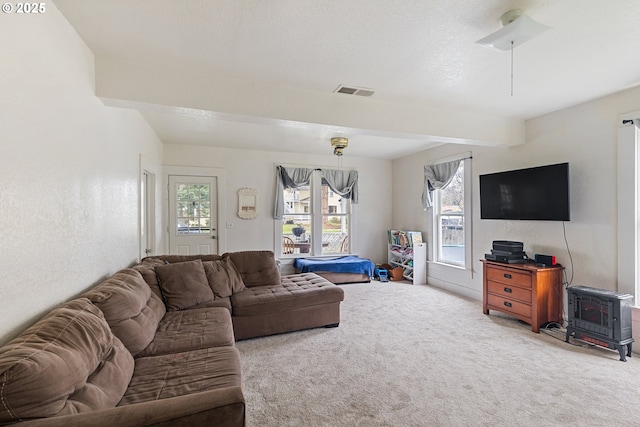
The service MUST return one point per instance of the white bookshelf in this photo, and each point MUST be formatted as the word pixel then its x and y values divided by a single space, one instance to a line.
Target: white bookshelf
pixel 406 250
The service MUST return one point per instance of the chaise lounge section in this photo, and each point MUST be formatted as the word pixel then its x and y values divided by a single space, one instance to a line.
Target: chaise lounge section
pixel 263 302
pixel 155 344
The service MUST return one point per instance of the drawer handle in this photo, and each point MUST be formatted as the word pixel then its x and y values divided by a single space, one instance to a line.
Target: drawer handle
pixel 508 290
pixel 507 304
pixel 507 276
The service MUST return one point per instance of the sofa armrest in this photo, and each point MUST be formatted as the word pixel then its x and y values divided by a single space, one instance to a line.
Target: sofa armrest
pixel 220 407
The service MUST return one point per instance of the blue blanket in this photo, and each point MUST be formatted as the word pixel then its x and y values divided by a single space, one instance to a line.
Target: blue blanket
pixel 345 264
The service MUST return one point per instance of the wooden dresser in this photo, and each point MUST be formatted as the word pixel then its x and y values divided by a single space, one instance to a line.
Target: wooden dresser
pixel 524 291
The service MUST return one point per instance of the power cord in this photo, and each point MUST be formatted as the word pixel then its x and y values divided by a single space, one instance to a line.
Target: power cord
pixel 555 330
pixel 567 283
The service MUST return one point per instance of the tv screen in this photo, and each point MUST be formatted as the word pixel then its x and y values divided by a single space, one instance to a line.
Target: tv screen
pixel 538 193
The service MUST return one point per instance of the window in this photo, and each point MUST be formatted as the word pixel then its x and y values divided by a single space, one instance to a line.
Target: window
pixel 628 204
pixel 297 220
pixel 335 220
pixel 193 208
pixel 316 219
pixel 449 213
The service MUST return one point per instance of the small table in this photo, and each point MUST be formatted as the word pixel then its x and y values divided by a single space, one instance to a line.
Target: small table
pixel 306 246
pixel 303 246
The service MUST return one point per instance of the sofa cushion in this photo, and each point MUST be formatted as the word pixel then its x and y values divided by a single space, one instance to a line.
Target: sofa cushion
pixel 257 268
pixel 191 329
pixel 66 363
pixel 147 269
pixel 224 278
pixel 171 259
pixel 218 302
pixel 184 284
pixel 171 375
pixel 131 309
pixel 296 291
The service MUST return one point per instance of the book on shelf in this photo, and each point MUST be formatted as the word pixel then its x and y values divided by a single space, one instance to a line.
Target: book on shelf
pixel 398 237
pixel 403 238
pixel 415 237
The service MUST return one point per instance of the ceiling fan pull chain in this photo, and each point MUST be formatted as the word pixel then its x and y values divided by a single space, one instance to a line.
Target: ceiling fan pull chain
pixel 511 67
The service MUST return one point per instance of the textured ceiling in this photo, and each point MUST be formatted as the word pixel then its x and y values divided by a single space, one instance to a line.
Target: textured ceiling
pixel 411 53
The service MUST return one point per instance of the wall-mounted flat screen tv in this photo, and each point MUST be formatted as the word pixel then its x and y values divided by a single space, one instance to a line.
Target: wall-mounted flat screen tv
pixel 538 193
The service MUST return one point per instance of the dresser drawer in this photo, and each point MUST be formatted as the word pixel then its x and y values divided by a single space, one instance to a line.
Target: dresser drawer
pixel 509 306
pixel 509 292
pixel 512 277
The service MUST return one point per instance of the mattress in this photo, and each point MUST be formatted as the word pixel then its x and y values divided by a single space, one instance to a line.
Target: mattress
pixel 345 264
pixel 342 278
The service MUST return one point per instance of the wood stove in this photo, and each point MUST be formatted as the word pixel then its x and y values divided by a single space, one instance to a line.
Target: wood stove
pixel 600 317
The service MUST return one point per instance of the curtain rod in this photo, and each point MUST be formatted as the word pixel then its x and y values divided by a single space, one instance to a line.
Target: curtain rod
pixel 452 160
pixel 317 167
pixel 462 155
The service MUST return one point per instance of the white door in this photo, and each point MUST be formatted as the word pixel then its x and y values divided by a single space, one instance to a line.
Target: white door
pixel 147 213
pixel 193 219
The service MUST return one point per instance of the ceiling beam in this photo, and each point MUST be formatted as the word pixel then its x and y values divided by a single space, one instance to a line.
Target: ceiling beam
pixel 181 88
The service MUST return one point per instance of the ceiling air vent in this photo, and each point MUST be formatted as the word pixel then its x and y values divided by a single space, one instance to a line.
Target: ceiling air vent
pixel 352 90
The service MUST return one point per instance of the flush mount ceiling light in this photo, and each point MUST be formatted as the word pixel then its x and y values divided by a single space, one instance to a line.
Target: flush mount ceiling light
pixel 517 28
pixel 339 144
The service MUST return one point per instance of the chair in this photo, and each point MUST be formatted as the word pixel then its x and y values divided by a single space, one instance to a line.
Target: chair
pixel 288 245
pixel 344 246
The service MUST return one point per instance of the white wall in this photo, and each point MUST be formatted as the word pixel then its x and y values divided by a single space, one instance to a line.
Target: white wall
pixel 69 171
pixel 586 137
pixel 256 169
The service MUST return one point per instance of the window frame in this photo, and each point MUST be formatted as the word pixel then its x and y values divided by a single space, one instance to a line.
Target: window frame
pixel 438 234
pixel 437 260
pixel 628 170
pixel 316 215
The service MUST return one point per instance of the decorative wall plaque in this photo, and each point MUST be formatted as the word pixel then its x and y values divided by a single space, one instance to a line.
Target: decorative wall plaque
pixel 247 203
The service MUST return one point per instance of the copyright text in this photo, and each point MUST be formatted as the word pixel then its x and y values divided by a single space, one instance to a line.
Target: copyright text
pixel 24 8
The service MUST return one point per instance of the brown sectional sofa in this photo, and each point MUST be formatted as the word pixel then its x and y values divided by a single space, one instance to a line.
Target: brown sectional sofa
pixel 155 344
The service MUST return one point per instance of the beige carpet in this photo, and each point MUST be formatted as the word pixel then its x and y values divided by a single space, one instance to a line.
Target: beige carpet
pixel 409 355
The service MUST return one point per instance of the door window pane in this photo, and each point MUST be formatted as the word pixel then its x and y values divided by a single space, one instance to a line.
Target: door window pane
pixel 193 213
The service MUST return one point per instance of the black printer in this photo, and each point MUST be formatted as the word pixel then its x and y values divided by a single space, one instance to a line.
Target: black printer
pixel 507 251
